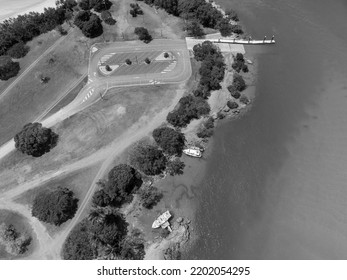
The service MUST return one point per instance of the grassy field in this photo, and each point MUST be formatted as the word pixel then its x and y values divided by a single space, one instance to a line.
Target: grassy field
pixel 37 46
pixel 79 182
pixel 80 135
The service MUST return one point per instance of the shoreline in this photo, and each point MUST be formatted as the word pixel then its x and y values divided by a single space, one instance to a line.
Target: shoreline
pixel 19 9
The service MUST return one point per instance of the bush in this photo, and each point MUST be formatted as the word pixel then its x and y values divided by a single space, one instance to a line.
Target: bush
pixel 18 50
pixel 108 68
pixel 148 159
pixel 100 5
pixel 244 99
pixel 122 181
pixel 190 107
pixel 110 21
pixel 14 242
pixel 232 105
pixel 135 10
pixel 245 68
pixel 61 30
pixel 149 196
pixel 194 29
pixel 239 63
pixel 232 14
pixel 173 252
pixel 237 29
pixel 170 140
pixel 205 132
pixel 128 61
pixel 175 167
pixel 209 123
pixel 238 82
pixel 147 60
pixel 166 55
pixel 8 68
pixel 143 34
pixel 35 140
pixel 78 245
pixel 105 14
pixel 55 206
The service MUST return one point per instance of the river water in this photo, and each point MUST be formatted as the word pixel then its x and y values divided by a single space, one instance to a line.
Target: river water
pixel 276 180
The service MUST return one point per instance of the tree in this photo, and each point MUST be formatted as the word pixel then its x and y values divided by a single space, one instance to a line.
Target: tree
pixel 78 245
pixel 148 159
pixel 55 206
pixel 122 181
pixel 108 68
pixel 132 247
pixel 101 199
pixel 147 60
pixel 89 23
pixel 143 34
pixel 166 55
pixel 18 50
pixel 111 230
pixel 225 28
pixel 8 68
pixel 194 29
pixel 105 14
pixel 175 167
pixel 100 5
pixel 35 140
pixel 233 92
pixel 238 82
pixel 93 27
pixel 84 5
pixel 149 196
pixel 170 140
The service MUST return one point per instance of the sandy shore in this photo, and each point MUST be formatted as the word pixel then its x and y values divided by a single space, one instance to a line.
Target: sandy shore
pixel 14 8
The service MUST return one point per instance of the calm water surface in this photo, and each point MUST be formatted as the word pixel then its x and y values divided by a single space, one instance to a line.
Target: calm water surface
pixel 276 183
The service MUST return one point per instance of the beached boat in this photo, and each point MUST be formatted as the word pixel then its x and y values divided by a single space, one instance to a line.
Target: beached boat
pixel 193 152
pixel 162 220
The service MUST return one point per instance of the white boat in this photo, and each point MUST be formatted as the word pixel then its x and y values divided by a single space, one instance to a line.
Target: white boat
pixel 193 152
pixel 162 220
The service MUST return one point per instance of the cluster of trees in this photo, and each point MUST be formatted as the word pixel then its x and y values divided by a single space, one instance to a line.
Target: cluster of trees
pixel 239 63
pixel 8 68
pixel 55 206
pixel 89 23
pixel 15 242
pixel 143 34
pixel 104 234
pixel 35 140
pixel 135 10
pixel 190 107
pixel 201 11
pixel 24 28
pixel 96 5
pixel 107 18
pixel 169 139
pixel 212 68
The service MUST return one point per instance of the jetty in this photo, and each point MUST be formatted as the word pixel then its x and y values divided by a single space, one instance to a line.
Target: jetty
pixel 248 41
